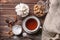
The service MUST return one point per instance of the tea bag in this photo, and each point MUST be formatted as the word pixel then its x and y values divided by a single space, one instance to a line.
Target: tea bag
pixel 51 25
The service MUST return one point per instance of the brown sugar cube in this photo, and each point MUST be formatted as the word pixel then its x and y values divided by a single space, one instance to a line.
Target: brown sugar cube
pixel 39 10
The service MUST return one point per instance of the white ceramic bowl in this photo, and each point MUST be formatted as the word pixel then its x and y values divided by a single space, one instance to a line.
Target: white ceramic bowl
pixel 22 9
pixel 17 29
pixel 31 31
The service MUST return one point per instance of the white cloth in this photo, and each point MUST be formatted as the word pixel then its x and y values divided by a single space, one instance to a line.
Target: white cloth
pixel 52 22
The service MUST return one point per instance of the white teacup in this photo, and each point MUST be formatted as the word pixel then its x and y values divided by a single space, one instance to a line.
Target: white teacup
pixel 28 30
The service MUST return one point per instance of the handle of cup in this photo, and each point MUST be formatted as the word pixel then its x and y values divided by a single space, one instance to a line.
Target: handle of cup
pixel 40 27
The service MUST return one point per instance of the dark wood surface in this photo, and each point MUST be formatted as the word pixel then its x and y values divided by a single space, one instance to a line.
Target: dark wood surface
pixel 7 9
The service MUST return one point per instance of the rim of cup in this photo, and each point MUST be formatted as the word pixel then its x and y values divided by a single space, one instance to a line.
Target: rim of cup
pixel 26 29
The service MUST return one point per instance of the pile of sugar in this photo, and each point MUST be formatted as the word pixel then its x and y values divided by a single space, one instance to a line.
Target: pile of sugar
pixel 22 9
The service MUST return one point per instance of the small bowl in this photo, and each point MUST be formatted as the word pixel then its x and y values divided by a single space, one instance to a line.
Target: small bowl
pixel 22 9
pixel 17 29
pixel 28 30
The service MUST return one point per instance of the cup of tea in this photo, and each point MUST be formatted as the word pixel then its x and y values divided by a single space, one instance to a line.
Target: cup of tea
pixel 31 24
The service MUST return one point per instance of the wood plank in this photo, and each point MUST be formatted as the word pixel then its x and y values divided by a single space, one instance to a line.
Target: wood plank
pixel 3 23
pixel 29 1
pixel 12 6
pixel 9 1
pixel 7 12
pixel 18 1
pixel 8 9
pixel 6 6
pixel 3 19
pixel 11 12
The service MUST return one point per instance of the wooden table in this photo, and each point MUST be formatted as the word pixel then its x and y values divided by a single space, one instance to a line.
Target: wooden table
pixel 7 9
